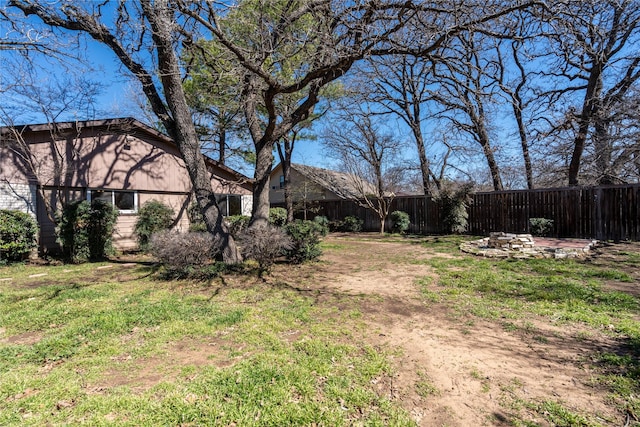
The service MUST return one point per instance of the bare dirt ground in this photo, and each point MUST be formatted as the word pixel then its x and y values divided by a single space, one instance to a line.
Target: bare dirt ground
pixel 456 372
pixel 447 370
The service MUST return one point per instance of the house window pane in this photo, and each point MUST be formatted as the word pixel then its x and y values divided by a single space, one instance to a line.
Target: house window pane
pixel 281 181
pixel 222 204
pixel 235 205
pixel 105 196
pixel 124 200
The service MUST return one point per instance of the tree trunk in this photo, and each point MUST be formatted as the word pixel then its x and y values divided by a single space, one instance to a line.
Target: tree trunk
pixel 422 156
pixel 524 144
pixel 594 87
pixel 288 196
pixel 284 153
pixel 183 131
pixel 222 144
pixel 492 163
pixel 264 161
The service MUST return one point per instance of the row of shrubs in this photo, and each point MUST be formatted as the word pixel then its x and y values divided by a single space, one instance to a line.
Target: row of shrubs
pixel 400 221
pixel 85 233
pixel 182 253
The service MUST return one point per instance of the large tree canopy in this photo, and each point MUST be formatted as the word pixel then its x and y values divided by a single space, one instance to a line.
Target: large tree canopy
pixel 268 50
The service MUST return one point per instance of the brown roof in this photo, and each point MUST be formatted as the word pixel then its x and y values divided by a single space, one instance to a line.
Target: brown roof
pixel 116 123
pixel 342 184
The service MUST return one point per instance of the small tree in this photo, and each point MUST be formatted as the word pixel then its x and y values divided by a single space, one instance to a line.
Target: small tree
pixel 366 154
pixel 18 234
pixel 153 216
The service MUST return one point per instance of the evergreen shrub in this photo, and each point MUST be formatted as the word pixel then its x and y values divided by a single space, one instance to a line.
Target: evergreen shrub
pixel 540 226
pixel 18 235
pixel 277 216
pixel 153 216
pixel 399 221
pixel 85 230
pixel 351 224
pixel 237 224
pixel 305 241
pixel 323 222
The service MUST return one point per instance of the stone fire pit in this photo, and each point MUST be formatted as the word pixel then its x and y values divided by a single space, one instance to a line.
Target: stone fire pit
pixel 510 245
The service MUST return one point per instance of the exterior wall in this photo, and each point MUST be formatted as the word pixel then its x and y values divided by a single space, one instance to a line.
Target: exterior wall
pixel 48 243
pixel 19 197
pixel 114 156
pixel 302 188
pixel 124 237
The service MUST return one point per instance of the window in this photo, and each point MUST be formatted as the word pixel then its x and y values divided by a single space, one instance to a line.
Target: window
pixel 125 201
pixel 281 181
pixel 230 204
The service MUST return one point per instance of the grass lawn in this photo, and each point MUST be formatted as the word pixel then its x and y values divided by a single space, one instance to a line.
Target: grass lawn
pixel 118 346
pixel 113 344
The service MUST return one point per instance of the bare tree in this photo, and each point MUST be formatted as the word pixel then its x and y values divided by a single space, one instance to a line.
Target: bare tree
pixel 283 48
pixel 593 48
pixel 513 79
pixel 70 97
pixel 466 93
pixel 367 155
pixel 276 48
pixel 149 28
pixel 400 85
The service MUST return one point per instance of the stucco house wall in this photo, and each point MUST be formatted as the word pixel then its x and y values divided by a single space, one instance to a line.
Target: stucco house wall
pixel 120 160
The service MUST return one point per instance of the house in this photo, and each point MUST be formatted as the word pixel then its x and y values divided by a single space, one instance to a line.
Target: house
pixel 123 161
pixel 309 183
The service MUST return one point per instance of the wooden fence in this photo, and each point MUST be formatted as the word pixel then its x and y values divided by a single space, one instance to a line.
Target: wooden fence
pixel 603 213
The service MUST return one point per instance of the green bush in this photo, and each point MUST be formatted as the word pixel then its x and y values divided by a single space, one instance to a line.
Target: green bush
pixel 85 230
pixel 277 216
pixel 540 226
pixel 237 224
pixel 305 241
pixel 323 222
pixel 399 221
pixel 153 216
pixel 351 224
pixel 453 208
pixel 18 234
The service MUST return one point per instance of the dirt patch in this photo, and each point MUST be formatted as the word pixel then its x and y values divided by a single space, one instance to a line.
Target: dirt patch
pixel 26 338
pixel 166 366
pixel 453 373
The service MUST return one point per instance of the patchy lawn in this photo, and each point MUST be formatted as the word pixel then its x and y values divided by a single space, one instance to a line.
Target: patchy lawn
pixel 381 331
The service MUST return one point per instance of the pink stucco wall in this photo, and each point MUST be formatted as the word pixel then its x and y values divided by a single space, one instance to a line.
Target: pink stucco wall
pixel 124 156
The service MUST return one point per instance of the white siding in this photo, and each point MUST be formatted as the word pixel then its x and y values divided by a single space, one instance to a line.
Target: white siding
pixel 247 204
pixel 20 197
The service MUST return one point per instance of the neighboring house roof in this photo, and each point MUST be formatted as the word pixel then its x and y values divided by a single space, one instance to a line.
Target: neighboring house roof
pixel 126 123
pixel 344 185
